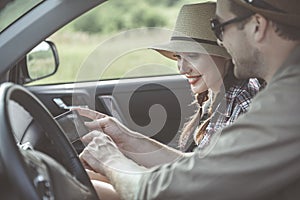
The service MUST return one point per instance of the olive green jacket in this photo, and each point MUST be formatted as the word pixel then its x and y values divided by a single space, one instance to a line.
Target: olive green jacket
pixel 258 157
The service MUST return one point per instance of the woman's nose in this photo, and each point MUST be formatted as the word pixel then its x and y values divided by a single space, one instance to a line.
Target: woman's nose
pixel 183 66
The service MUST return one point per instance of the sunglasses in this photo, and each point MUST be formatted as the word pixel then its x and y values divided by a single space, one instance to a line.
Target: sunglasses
pixel 218 28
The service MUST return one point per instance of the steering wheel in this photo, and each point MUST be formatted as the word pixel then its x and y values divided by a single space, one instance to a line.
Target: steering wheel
pixel 31 171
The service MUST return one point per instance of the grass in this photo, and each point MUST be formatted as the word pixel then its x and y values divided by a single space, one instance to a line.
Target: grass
pixel 85 57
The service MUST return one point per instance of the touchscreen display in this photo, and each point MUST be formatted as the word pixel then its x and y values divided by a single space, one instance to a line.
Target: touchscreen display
pixel 73 125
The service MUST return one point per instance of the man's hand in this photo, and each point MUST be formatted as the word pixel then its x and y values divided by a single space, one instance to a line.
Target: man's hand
pixel 139 148
pixel 96 176
pixel 103 156
pixel 100 152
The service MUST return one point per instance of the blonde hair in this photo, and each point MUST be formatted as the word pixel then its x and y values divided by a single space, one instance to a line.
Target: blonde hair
pixel 190 126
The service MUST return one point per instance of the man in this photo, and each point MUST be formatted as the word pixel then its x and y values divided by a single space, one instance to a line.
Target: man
pixel 258 156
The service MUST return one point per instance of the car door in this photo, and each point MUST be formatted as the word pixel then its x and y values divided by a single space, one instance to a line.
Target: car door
pixel 157 107
pixel 147 95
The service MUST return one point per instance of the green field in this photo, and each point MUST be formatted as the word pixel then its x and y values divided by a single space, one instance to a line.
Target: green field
pixel 106 44
pixel 92 57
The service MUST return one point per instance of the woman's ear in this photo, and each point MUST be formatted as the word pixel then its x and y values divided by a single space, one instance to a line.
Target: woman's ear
pixel 260 27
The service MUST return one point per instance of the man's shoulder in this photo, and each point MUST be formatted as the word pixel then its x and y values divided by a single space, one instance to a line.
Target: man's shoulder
pixel 290 68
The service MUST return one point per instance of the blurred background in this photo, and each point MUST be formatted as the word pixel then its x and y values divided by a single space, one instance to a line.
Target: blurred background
pixel 86 42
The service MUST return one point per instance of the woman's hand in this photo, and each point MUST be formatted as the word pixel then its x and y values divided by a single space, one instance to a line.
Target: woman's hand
pixel 139 148
pixel 109 125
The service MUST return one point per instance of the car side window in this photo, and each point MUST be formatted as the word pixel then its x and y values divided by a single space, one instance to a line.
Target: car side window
pixel 113 41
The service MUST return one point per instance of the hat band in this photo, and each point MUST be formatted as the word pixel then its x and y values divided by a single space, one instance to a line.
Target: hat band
pixel 264 5
pixel 194 39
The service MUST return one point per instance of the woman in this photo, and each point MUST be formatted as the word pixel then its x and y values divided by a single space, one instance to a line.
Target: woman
pixel 210 73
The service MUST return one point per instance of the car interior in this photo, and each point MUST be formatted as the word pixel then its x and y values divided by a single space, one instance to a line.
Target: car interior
pixel 39 141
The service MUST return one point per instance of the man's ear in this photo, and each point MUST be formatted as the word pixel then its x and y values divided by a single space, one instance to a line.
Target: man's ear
pixel 260 27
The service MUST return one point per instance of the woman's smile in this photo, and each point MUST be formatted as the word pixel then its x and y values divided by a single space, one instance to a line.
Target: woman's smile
pixel 194 79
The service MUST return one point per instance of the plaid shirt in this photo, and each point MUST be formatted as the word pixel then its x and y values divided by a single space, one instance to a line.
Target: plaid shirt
pixel 236 101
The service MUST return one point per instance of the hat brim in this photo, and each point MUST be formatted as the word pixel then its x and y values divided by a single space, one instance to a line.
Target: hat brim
pixel 173 46
pixel 284 18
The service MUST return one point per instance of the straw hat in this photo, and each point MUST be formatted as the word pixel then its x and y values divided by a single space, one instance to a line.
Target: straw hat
pixel 192 32
pixel 282 11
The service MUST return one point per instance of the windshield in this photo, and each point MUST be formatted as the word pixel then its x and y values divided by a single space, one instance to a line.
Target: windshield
pixel 11 10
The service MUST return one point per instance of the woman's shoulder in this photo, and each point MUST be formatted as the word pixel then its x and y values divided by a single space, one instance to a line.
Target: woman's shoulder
pixel 242 92
pixel 255 84
pixel 249 86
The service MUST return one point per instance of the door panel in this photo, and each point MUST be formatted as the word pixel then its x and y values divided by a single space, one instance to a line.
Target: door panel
pixel 157 106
